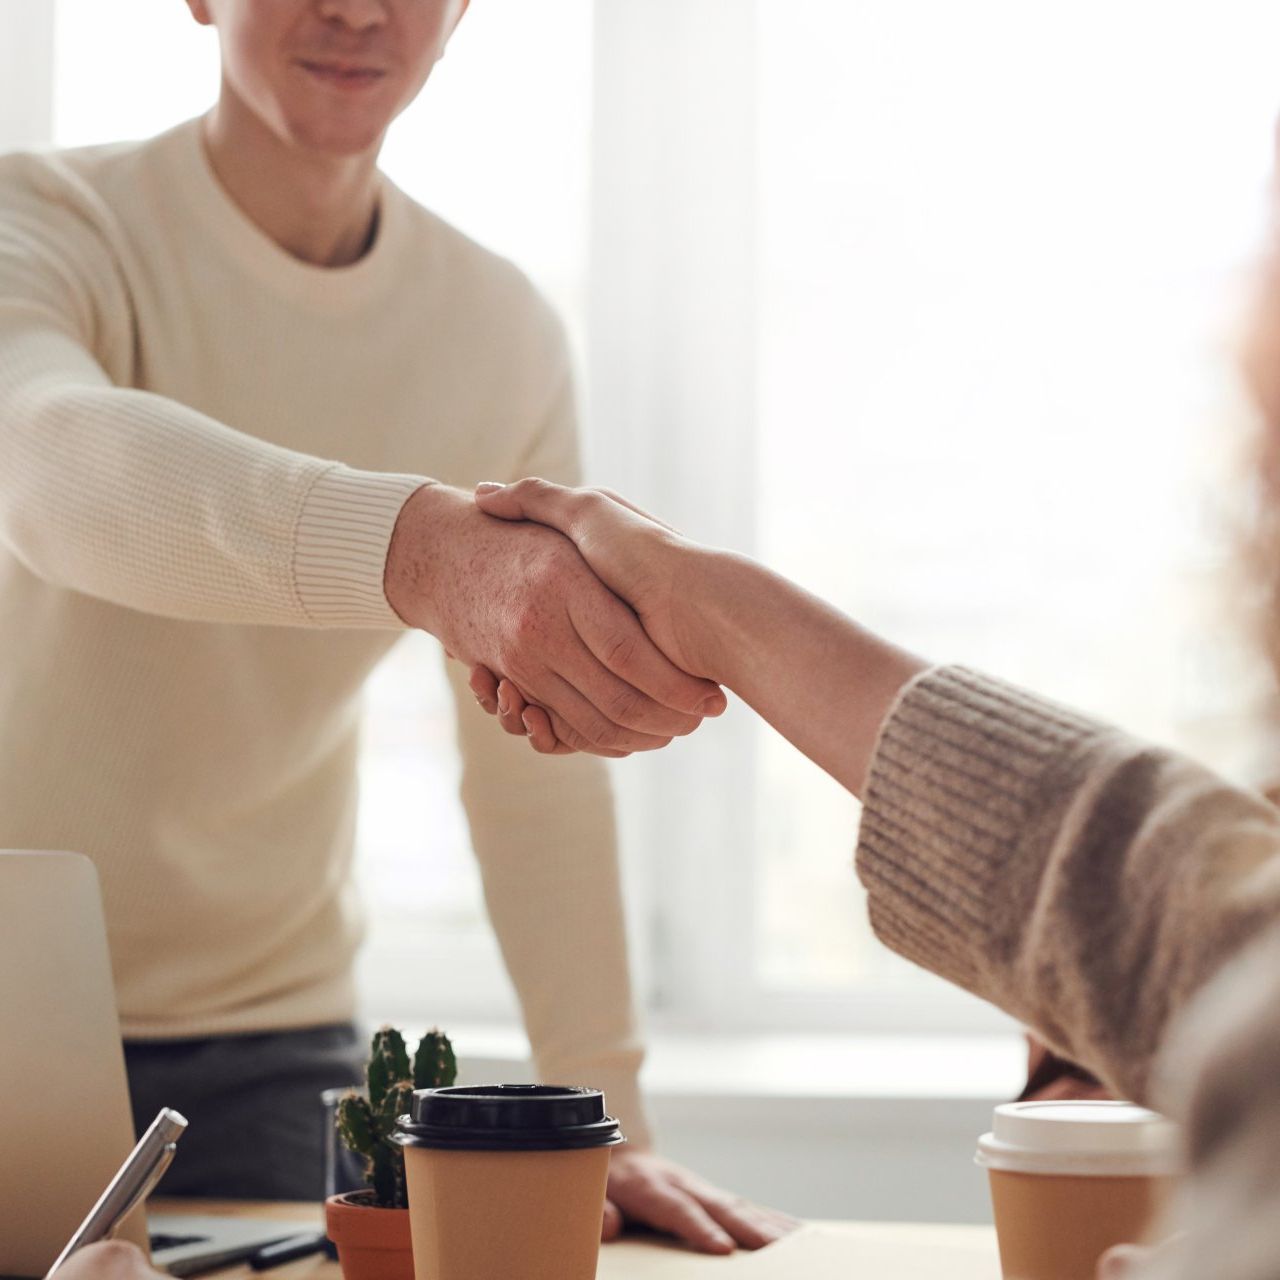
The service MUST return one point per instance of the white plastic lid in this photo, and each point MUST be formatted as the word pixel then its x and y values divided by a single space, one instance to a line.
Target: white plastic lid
pixel 1099 1139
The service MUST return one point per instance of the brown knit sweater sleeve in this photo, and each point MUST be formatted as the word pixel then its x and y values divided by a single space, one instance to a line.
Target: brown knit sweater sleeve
pixel 1084 881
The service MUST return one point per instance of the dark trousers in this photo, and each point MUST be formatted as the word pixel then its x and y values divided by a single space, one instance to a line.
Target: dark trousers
pixel 253 1103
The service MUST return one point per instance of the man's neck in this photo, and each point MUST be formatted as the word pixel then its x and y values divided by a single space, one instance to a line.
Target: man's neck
pixel 319 208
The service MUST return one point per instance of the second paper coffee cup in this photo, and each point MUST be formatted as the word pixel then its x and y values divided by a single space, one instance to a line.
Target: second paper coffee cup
pixel 1071 1179
pixel 506 1180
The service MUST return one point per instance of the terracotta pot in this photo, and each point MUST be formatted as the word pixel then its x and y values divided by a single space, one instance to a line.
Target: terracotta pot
pixel 373 1244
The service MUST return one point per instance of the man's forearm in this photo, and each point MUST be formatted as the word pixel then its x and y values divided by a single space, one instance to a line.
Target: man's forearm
pixel 133 498
pixel 825 683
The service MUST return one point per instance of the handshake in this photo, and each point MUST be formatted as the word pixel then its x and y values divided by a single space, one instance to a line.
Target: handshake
pixel 591 626
pixel 585 621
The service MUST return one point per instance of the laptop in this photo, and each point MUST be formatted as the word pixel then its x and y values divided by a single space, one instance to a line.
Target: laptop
pixel 65 1121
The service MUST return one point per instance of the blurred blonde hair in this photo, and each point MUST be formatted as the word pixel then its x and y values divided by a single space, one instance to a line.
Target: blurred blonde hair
pixel 1260 364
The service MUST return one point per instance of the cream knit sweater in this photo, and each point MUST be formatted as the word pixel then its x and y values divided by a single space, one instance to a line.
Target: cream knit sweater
pixel 204 445
pixel 1116 897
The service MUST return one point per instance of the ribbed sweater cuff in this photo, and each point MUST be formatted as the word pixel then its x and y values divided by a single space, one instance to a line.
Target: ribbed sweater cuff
pixel 963 765
pixel 622 1096
pixel 340 548
pixel 624 1101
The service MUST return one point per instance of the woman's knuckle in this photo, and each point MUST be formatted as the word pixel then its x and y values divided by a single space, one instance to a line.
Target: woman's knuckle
pixel 611 737
pixel 563 732
pixel 619 650
pixel 513 656
pixel 623 706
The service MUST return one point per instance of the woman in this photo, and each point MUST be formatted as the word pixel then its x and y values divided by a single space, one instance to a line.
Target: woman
pixel 1116 897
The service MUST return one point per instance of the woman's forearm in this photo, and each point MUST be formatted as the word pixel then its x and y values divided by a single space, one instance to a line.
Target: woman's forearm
pixel 825 683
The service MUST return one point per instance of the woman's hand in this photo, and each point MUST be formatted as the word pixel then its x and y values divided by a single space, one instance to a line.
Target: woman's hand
pixel 648 564
pixel 515 714
pixel 1122 1262
pixel 109 1260
pixel 645 562
pixel 1130 1261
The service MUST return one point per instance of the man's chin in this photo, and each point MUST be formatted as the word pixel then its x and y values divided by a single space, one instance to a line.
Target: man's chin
pixel 338 140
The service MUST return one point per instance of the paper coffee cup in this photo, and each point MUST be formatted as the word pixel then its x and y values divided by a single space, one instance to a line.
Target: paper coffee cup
pixel 506 1181
pixel 1071 1179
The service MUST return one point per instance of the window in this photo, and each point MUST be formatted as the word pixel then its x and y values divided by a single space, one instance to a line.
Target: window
pixel 929 305
pixel 990 257
pixel 999 250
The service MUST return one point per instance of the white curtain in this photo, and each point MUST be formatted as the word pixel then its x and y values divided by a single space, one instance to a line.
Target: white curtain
pixel 26 73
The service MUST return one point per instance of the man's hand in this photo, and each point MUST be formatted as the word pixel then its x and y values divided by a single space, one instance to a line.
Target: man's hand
pixel 647 1190
pixel 109 1260
pixel 519 599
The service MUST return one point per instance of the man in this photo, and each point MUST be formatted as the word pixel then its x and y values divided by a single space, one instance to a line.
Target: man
pixel 239 372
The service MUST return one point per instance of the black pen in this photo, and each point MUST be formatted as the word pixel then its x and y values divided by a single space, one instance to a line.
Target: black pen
pixel 287 1250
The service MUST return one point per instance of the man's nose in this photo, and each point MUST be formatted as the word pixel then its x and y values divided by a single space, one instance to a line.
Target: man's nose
pixel 358 15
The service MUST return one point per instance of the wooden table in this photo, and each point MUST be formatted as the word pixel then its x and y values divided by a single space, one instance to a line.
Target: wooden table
pixel 819 1251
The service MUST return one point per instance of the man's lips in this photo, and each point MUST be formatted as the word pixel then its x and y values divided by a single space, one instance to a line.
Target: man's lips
pixel 343 75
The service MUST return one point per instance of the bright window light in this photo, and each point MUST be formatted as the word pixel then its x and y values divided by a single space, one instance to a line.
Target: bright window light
pixel 1000 260
pixel 1000 249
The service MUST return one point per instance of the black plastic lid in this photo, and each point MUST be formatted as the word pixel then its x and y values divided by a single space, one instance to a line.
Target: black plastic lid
pixel 507 1117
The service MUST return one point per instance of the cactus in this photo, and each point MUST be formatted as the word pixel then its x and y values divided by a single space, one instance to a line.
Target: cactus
pixel 366 1124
